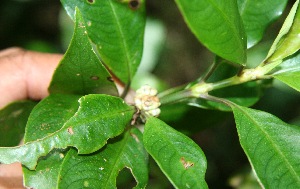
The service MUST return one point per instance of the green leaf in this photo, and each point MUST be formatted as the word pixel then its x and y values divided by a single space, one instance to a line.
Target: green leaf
pixel 100 169
pixel 13 120
pixel 116 29
pixel 98 118
pixel 218 25
pixel 257 15
pixel 181 160
pixel 290 78
pixel 46 173
pixel 80 71
pixel 288 40
pixel 48 117
pixel 271 146
pixel 289 72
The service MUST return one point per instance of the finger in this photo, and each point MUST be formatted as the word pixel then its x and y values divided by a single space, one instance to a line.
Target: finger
pixel 25 74
pixel 11 176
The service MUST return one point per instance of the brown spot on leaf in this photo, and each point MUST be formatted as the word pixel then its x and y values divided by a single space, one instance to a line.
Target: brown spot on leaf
pixel 186 164
pixel 94 78
pixel 70 130
pixel 134 4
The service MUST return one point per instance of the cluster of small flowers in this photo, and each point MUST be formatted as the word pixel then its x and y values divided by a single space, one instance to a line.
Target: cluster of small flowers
pixel 147 101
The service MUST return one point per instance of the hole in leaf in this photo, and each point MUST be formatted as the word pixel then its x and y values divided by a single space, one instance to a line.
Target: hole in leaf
pixel 91 1
pixel 134 4
pixel 125 179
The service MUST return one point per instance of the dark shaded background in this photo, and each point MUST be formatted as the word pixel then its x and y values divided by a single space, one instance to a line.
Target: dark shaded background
pixel 34 24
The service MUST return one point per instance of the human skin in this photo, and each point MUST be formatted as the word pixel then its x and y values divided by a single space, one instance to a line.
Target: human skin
pixel 23 75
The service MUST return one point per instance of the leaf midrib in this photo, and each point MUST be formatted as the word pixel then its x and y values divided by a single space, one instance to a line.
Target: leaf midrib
pixel 125 49
pixel 176 151
pixel 273 144
pixel 230 24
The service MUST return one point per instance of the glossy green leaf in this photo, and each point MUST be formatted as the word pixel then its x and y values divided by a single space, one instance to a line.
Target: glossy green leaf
pixel 46 173
pixel 48 117
pixel 100 169
pixel 98 118
pixel 257 15
pixel 80 71
pixel 289 72
pixel 290 78
pixel 218 25
pixel 13 120
pixel 288 39
pixel 181 160
pixel 271 146
pixel 117 29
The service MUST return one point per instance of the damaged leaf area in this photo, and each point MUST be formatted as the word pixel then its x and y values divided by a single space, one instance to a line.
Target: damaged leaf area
pixel 186 164
pixel 103 166
pixel 108 119
pixel 181 160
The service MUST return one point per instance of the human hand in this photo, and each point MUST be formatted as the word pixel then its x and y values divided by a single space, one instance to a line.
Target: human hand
pixel 23 75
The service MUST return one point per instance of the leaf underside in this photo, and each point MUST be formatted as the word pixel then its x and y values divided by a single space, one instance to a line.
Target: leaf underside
pixel 288 40
pixel 13 119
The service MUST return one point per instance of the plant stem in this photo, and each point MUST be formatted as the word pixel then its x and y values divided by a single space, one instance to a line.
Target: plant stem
pixel 171 91
pixel 176 97
pixel 200 90
pixel 235 80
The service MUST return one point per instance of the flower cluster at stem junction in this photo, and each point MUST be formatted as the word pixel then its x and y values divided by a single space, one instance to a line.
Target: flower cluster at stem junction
pixel 147 101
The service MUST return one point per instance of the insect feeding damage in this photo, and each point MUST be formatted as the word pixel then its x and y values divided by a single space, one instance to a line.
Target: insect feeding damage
pixel 70 130
pixel 186 164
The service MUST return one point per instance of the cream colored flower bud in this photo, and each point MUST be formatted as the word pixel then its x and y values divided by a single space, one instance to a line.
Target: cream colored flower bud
pixel 147 101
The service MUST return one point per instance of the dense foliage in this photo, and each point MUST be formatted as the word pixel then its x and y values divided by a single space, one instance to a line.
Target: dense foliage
pixel 85 132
